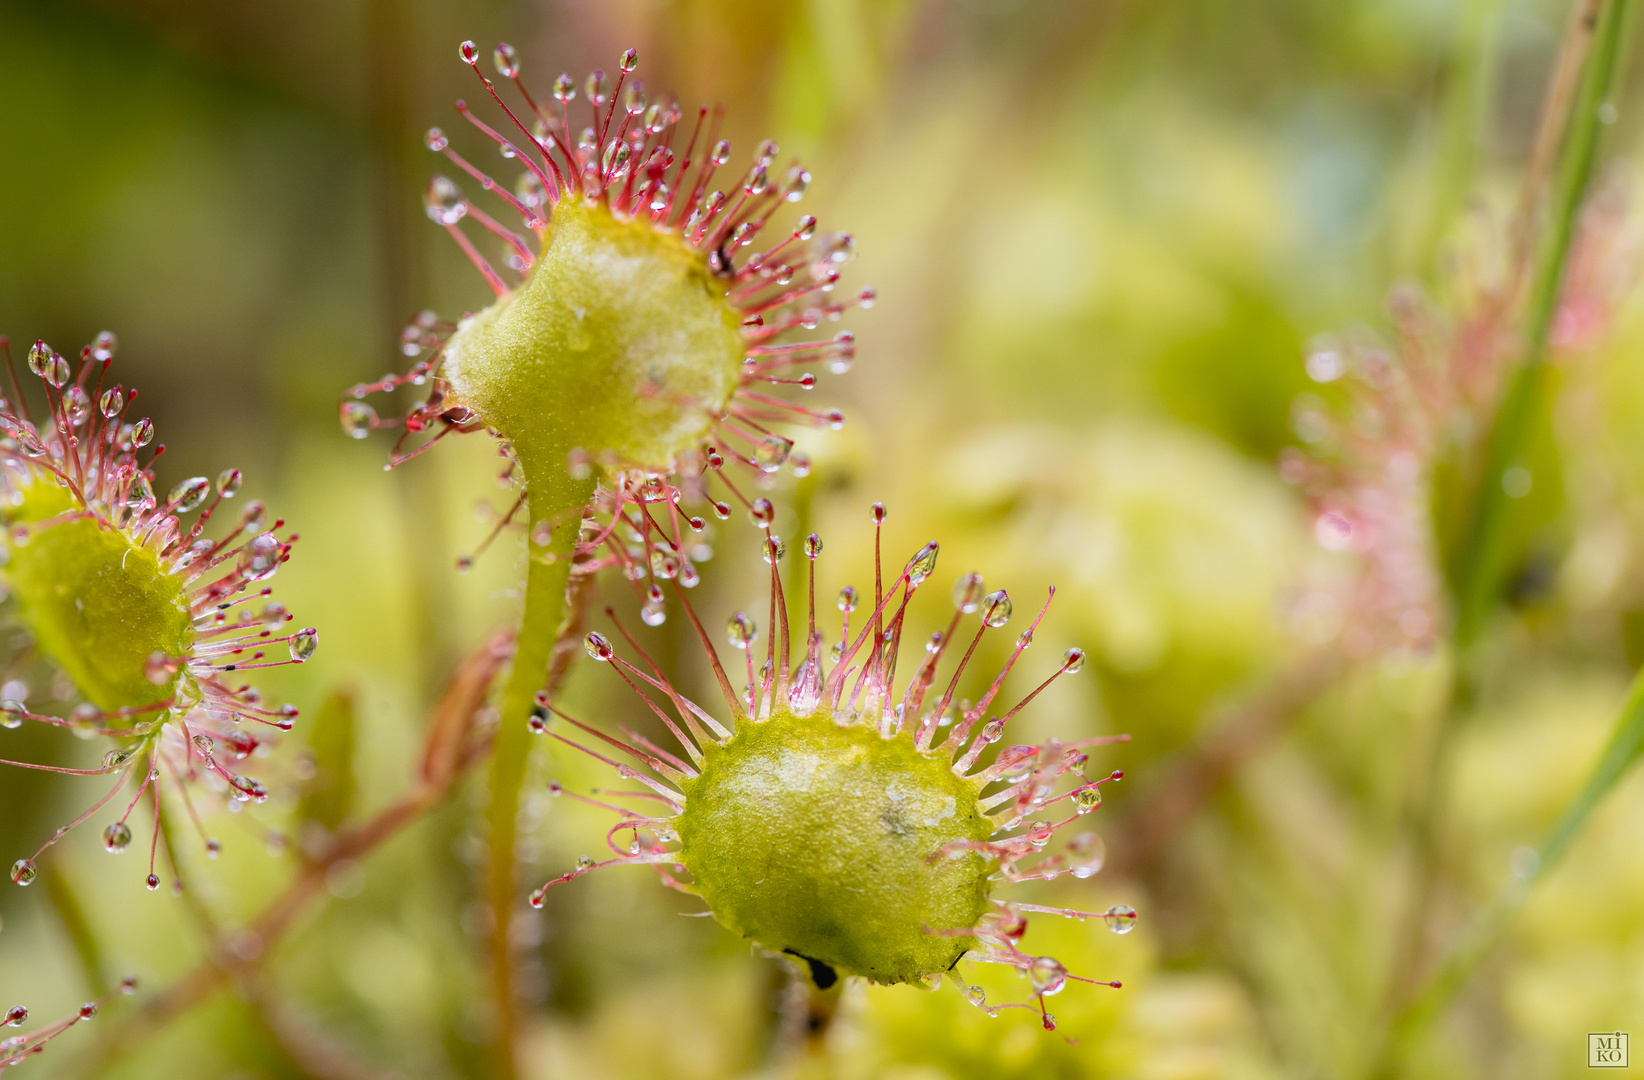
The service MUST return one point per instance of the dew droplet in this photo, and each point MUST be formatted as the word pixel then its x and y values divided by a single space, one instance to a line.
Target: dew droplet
pixel 260 557
pixel 116 758
pixel 506 57
pixel 584 862
pixel 303 644
pixel 967 592
pixel 1086 854
pixel 86 721
pixel 357 419
pixel 1120 918
pixel 190 494
pixel 117 837
pixel 996 608
pixel 1087 798
pixel 598 646
pixel 12 713
pixel 76 406
pixel 741 631
pixel 772 453
pixel 923 562
pixel 1046 975
pixel 444 201
pixel 159 668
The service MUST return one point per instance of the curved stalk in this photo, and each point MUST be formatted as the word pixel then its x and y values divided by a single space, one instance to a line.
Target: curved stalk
pixel 554 499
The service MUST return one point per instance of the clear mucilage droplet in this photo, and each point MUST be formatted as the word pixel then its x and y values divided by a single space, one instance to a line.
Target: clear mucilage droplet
pixel 303 644
pixel 506 57
pixel 741 631
pixel 86 721
pixel 772 452
pixel 923 562
pixel 357 419
pixel 598 646
pixel 260 557
pixel 1046 976
pixel 23 872
pixel 967 592
pixel 996 608
pixel 12 713
pixel 189 495
pixel 444 201
pixel 76 406
pixel 1120 918
pixel 117 837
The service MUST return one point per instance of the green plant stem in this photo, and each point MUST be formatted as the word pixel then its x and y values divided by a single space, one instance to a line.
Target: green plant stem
pixel 554 501
pixel 1583 80
pixel 1481 568
pixel 72 914
pixel 1462 960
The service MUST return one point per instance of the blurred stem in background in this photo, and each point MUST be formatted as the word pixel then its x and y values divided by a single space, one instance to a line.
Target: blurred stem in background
pixel 451 746
pixel 402 266
pixel 1560 167
pixel 1462 960
pixel 65 902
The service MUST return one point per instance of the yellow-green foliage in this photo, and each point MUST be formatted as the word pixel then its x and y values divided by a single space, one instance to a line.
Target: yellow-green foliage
pixel 96 602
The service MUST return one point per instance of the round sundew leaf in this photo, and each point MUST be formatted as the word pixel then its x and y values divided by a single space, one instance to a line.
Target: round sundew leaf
pixel 96 602
pixel 827 842
pixel 619 343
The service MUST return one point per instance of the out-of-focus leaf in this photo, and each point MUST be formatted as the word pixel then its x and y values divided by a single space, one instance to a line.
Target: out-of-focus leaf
pixel 328 795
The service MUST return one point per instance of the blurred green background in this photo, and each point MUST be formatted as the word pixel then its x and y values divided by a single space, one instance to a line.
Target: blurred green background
pixel 1103 233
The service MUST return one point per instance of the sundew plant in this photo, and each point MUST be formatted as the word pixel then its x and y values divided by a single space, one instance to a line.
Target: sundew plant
pixel 945 540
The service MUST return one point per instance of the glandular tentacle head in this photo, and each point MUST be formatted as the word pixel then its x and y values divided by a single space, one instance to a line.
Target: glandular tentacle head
pixel 652 309
pixel 835 814
pixel 152 614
